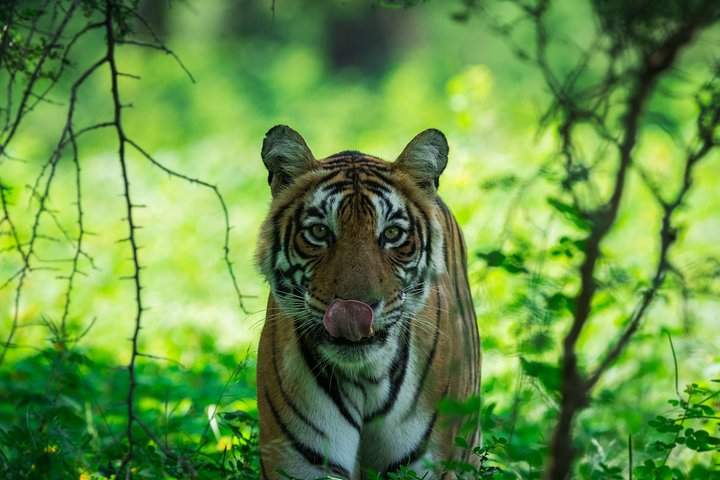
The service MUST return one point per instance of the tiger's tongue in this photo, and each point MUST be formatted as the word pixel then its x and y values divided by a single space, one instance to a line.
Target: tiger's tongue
pixel 349 319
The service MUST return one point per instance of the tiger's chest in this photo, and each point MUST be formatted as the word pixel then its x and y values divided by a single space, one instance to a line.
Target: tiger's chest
pixel 372 418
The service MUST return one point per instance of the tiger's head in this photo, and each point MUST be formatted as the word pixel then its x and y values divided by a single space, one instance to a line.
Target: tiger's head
pixel 352 243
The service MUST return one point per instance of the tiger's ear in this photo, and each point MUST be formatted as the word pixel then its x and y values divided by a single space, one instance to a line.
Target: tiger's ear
pixel 425 158
pixel 286 156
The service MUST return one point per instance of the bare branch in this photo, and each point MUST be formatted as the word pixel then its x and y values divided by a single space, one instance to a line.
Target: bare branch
pixel 221 200
pixel 110 8
pixel 162 48
pixel 668 236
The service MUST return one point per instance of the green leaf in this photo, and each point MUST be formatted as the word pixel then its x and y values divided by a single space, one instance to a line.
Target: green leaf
pixel 706 409
pixel 663 473
pixel 451 406
pixel 513 263
pixel 461 442
pixel 642 472
pixel 558 302
pixel 549 375
pixel 494 258
pixel 504 182
pixel 570 213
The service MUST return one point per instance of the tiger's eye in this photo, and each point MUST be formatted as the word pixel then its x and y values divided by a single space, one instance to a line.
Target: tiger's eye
pixel 319 231
pixel 391 233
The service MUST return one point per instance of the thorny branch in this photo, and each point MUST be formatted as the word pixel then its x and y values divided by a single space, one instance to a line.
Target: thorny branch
pixel 32 70
pixel 132 231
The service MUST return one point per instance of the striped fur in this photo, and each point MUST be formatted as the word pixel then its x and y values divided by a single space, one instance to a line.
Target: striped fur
pixel 332 407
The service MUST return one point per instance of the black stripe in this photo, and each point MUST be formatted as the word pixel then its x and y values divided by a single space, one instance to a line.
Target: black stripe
pixel 446 250
pixel 470 320
pixel 263 472
pixel 381 175
pixel 348 400
pixel 419 450
pixel 425 236
pixel 378 192
pixel 463 294
pixel 330 178
pixel 382 196
pixel 376 186
pixel 398 371
pixel 397 214
pixel 431 356
pixel 310 455
pixel 345 153
pixel 328 384
pixel 354 381
pixel 464 309
pixel 286 397
pixel 428 245
pixel 315 212
pixel 344 166
pixel 364 161
pixel 289 232
pixel 344 159
pixel 338 188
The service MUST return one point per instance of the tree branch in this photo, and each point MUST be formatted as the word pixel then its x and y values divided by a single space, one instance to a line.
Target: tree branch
pixel 575 388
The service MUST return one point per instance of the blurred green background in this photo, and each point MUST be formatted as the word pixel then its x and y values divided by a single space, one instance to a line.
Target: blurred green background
pixel 351 75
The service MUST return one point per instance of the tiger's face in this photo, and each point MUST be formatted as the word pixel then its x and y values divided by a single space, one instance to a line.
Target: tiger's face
pixel 351 243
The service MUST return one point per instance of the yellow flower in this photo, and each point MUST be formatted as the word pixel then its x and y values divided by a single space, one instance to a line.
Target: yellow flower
pixel 224 443
pixel 51 449
pixel 84 476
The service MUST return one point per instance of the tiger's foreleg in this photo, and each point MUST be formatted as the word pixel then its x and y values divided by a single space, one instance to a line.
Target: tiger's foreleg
pixel 306 430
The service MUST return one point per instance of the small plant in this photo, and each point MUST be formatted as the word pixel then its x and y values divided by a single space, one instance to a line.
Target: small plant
pixel 692 425
pixel 470 471
pixel 461 470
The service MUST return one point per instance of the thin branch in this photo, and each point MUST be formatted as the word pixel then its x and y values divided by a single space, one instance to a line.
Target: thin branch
pixel 42 199
pixel 64 61
pixel 158 45
pixel 110 7
pixel 81 231
pixel 221 200
pixel 158 357
pixel 668 236
pixel 13 126
pixel 162 48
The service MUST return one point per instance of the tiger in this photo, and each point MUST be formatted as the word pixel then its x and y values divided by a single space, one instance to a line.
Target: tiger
pixel 370 321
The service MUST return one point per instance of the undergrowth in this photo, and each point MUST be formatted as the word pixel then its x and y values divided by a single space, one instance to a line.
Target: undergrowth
pixel 62 415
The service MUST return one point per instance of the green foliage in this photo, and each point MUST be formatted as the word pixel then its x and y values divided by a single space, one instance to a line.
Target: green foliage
pixel 512 262
pixel 63 396
pixel 63 411
pixel 674 433
pixel 642 20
